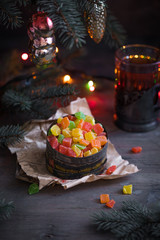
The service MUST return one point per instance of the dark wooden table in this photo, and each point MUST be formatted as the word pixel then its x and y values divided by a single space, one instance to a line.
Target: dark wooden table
pixel 55 213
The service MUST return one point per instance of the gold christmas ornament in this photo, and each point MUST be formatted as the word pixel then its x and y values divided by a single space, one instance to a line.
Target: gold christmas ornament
pixel 96 21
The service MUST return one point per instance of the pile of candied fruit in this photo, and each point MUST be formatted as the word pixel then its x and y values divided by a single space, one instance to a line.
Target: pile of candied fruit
pixel 77 135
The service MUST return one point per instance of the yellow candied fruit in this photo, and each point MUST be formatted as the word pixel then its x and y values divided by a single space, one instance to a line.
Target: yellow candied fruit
pixel 59 120
pixel 90 119
pixel 76 139
pixel 127 189
pixel 55 130
pixel 66 132
pixel 87 153
pixel 76 132
pixel 77 122
pixel 76 150
pixel 94 150
pixel 89 136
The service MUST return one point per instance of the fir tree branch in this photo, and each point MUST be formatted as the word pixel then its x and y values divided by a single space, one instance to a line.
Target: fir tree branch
pixel 6 209
pixel 68 21
pixel 10 14
pixel 132 221
pixel 10 134
pixel 115 34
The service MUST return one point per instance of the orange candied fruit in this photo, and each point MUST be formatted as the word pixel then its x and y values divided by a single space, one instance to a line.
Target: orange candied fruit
pixel 111 203
pixel 65 122
pixel 84 142
pixel 104 198
pixel 111 169
pixel 96 143
pixel 102 139
pixel 136 149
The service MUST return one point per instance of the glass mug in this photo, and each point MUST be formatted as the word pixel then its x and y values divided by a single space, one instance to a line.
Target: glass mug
pixel 137 87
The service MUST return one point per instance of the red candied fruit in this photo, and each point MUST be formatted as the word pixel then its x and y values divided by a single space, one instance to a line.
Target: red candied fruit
pixel 67 142
pixel 136 149
pixel 53 141
pixel 110 203
pixel 87 126
pixel 111 169
pixel 98 129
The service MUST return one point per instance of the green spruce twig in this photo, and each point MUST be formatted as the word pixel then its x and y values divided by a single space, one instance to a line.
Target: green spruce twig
pixel 6 209
pixel 10 134
pixel 132 221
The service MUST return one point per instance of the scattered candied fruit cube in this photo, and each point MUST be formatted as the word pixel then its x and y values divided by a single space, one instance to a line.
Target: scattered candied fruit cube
pixel 76 132
pixel 67 142
pixel 104 198
pixel 94 150
pixel 102 139
pixel 84 142
pixel 76 150
pixel 96 143
pixel 65 122
pixel 66 132
pixel 55 130
pixel 111 203
pixel 87 153
pixel 90 119
pixel 98 128
pixel 127 189
pixel 59 120
pixel 87 126
pixel 111 169
pixel 136 149
pixel 89 136
pixel 80 115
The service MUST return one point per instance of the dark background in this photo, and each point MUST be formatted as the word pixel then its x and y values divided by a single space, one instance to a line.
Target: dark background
pixel 140 18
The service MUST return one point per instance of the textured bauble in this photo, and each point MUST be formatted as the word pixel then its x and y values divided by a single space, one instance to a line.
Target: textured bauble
pixel 42 39
pixel 96 21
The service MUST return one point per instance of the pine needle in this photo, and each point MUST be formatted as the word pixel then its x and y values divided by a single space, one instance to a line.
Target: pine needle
pixel 6 209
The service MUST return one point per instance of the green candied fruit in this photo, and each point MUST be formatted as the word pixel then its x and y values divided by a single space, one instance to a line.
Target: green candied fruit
pixel 81 147
pixel 49 132
pixel 72 125
pixel 60 138
pixel 33 188
pixel 80 115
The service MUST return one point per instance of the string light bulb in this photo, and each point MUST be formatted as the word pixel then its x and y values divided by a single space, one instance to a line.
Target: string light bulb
pixel 24 56
pixel 67 79
pixel 90 83
pixel 57 50
pixel 91 88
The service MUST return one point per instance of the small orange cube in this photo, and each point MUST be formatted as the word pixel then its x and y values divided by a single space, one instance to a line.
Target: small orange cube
pixel 136 149
pixel 104 198
pixel 65 122
pixel 110 204
pixel 84 142
pixel 96 143
pixel 102 139
pixel 80 124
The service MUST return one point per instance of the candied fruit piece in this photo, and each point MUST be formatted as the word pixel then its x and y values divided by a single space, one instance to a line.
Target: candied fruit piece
pixel 81 147
pixel 72 118
pixel 77 122
pixel 87 153
pixel 136 149
pixel 71 125
pixel 80 124
pixel 59 120
pixel 104 198
pixel 111 169
pixel 127 189
pixel 102 139
pixel 98 128
pixel 55 130
pixel 111 203
pixel 67 142
pixel 77 139
pixel 63 149
pixel 89 147
pixel 87 126
pixel 71 153
pixel 66 132
pixel 65 122
pixel 76 132
pixel 60 138
pixel 80 115
pixel 89 136
pixel 53 141
pixel 94 150
pixel 84 142
pixel 96 143
pixel 90 119
pixel 76 150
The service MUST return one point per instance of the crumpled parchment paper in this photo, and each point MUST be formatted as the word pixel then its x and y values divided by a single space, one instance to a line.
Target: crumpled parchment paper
pixel 30 153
